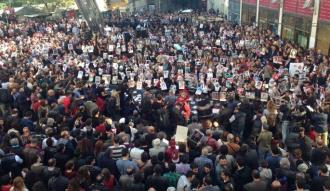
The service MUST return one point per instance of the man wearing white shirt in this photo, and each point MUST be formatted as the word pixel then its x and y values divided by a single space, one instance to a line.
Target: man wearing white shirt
pixel 184 183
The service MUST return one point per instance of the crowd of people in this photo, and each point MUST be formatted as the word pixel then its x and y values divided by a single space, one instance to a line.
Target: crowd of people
pixel 164 102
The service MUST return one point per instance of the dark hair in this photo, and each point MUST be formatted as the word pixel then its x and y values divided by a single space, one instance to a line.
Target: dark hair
pixel 52 162
pixel 124 152
pixel 138 177
pixel 327 184
pixel 193 165
pixel 154 160
pixel 182 148
pixel 171 167
pixel 161 156
pixel 255 174
pixel 39 186
pixel 189 174
pixel 144 157
pixel 117 139
pixel 88 122
pixel 207 165
pixel 240 161
pixel 226 173
pixel 301 183
pixel 158 169
pixel 184 158
pixel 323 169
pixel 264 164
pixel 69 164
pixel 223 150
pixel 208 180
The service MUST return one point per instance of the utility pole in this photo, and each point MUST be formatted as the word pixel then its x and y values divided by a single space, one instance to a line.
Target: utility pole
pixel 280 18
pixel 316 11
pixel 257 13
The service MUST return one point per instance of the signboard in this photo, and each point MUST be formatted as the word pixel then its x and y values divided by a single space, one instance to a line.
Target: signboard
pixel 296 68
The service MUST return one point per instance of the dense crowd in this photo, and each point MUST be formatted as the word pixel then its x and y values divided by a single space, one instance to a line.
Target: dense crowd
pixel 161 102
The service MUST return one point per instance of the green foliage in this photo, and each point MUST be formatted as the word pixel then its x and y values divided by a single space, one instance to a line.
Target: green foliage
pixel 50 5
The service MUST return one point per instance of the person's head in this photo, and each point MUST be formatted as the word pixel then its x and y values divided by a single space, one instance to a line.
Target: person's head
pixel 300 183
pixel 190 175
pixel 184 158
pixel 105 173
pixel 194 168
pixel 18 183
pixel 49 142
pixel 207 168
pixel 52 162
pixel 223 161
pixel 161 135
pixel 255 175
pixel 275 150
pixel 172 167
pixel 276 185
pixel 158 169
pixel 240 162
pixel 230 138
pixel 125 152
pixel 323 170
pixel 39 186
pixel 26 131
pixel 285 163
pixel 138 177
pixel 223 150
pixel 205 151
pixel 326 185
pixel 225 175
pixel 271 106
pixel 69 165
pixel 208 180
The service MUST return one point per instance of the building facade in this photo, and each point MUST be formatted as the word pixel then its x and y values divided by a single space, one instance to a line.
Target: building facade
pixel 305 22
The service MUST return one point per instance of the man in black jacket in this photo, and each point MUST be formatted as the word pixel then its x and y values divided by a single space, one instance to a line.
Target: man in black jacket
pixel 318 181
pixel 242 175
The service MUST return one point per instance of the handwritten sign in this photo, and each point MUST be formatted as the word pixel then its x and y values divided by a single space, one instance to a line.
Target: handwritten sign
pixel 181 134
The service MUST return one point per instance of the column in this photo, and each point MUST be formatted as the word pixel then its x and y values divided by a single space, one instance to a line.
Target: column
pixel 312 39
pixel 257 13
pixel 280 18
pixel 240 11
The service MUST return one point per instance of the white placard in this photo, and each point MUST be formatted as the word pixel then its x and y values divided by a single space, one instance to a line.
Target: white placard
pixel 181 85
pixel 296 68
pixel 181 134
pixel 163 86
pixel 111 48
pixel 166 73
pixel 139 85
pixel 90 49
pixel 106 78
pixel 264 97
pixel 80 74
pixel 97 80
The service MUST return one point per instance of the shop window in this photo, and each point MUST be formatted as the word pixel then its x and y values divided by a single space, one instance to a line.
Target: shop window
pixel 288 33
pixel 302 40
